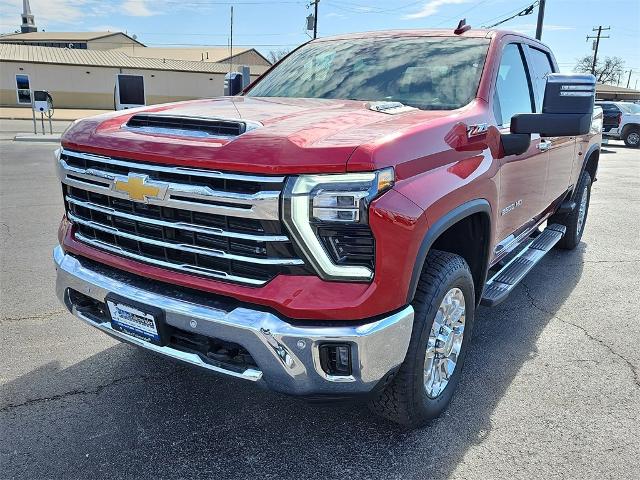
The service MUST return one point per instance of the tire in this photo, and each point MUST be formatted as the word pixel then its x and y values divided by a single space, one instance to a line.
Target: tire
pixel 406 400
pixel 632 137
pixel 575 226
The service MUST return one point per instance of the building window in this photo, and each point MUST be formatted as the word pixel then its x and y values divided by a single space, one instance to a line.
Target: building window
pixel 23 89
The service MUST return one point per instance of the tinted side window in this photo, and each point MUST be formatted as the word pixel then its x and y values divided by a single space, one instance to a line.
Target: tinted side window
pixel 513 92
pixel 539 69
pixel 609 107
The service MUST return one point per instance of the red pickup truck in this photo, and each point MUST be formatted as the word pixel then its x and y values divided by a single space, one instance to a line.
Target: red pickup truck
pixel 330 232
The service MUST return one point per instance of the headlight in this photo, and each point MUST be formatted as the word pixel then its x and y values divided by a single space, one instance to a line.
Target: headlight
pixel 328 217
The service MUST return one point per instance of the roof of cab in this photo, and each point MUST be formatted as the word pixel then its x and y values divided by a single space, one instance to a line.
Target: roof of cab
pixel 440 32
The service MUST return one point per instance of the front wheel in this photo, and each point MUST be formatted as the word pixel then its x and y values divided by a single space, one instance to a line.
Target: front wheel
pixel 444 308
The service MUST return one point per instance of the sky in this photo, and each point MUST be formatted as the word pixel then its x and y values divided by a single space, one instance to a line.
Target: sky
pixel 272 25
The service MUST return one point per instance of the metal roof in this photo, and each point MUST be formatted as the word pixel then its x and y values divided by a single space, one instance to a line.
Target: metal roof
pixel 61 36
pixel 196 54
pixel 603 87
pixel 10 52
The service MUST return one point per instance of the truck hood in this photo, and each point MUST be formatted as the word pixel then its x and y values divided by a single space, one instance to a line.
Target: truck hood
pixel 292 135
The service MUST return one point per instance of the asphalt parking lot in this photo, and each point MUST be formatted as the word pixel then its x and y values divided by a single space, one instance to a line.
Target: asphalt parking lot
pixel 551 388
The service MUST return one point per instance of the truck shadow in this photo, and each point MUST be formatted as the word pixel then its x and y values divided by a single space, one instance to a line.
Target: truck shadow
pixel 132 414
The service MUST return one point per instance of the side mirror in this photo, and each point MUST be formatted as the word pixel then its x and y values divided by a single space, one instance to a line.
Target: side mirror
pixel 515 143
pixel 566 110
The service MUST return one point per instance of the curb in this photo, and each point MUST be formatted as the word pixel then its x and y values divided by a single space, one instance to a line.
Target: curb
pixel 38 120
pixel 26 137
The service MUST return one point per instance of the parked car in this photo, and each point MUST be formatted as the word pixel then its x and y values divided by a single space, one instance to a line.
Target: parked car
pixel 622 122
pixel 330 232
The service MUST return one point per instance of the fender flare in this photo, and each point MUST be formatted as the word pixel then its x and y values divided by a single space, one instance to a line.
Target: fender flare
pixel 452 217
pixel 627 127
pixel 592 149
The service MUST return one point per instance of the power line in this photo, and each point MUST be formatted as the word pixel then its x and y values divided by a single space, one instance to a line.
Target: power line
pixel 491 19
pixel 367 9
pixel 229 3
pixel 461 14
pixel 526 11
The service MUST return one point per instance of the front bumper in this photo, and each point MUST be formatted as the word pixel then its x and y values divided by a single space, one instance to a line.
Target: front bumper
pixel 287 356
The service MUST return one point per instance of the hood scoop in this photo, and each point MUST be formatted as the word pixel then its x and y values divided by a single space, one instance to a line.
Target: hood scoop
pixel 390 108
pixel 184 126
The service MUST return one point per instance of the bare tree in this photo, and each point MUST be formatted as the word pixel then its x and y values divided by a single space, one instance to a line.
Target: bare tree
pixel 608 70
pixel 276 55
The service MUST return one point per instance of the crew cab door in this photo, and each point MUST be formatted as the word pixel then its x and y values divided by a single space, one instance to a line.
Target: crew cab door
pixel 562 154
pixel 522 177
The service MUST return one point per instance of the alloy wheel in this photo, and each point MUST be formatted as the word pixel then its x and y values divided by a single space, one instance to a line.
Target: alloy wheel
pixel 444 343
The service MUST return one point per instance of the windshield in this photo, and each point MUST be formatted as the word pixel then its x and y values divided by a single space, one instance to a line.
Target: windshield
pixel 431 73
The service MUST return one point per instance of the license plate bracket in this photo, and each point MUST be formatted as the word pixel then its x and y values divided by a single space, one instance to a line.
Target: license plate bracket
pixel 137 319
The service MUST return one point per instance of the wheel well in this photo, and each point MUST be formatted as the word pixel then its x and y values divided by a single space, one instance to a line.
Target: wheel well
pixel 469 238
pixel 630 126
pixel 592 164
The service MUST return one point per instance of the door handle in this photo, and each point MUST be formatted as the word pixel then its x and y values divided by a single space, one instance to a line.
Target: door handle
pixel 544 145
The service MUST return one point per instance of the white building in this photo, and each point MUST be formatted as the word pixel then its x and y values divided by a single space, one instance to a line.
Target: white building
pixel 79 78
pixel 79 69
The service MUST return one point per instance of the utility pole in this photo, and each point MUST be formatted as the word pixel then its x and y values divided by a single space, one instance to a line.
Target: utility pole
pixel 595 53
pixel 629 79
pixel 315 18
pixel 540 19
pixel 231 42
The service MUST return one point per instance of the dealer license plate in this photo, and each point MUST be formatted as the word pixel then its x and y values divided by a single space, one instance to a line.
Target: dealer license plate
pixel 133 321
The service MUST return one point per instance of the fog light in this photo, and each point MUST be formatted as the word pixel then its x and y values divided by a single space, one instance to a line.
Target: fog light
pixel 335 359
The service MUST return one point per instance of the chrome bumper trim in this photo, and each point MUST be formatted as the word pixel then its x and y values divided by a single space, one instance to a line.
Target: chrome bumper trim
pixel 287 355
pixel 249 374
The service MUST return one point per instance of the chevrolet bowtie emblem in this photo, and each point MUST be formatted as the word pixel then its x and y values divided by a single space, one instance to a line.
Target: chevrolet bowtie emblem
pixel 140 188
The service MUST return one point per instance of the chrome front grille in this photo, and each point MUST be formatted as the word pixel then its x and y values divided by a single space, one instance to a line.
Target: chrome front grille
pixel 202 222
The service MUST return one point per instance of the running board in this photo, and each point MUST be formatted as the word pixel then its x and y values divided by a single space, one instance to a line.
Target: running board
pixel 505 280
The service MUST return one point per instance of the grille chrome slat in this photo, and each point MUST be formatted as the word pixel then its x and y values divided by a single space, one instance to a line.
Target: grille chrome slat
pixel 183 268
pixel 176 170
pixel 262 205
pixel 181 225
pixel 219 225
pixel 183 247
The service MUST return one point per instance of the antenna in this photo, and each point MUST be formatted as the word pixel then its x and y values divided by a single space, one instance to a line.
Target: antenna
pixel 462 27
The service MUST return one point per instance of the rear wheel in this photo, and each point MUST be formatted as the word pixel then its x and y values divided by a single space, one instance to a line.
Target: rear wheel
pixel 632 137
pixel 444 309
pixel 576 220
